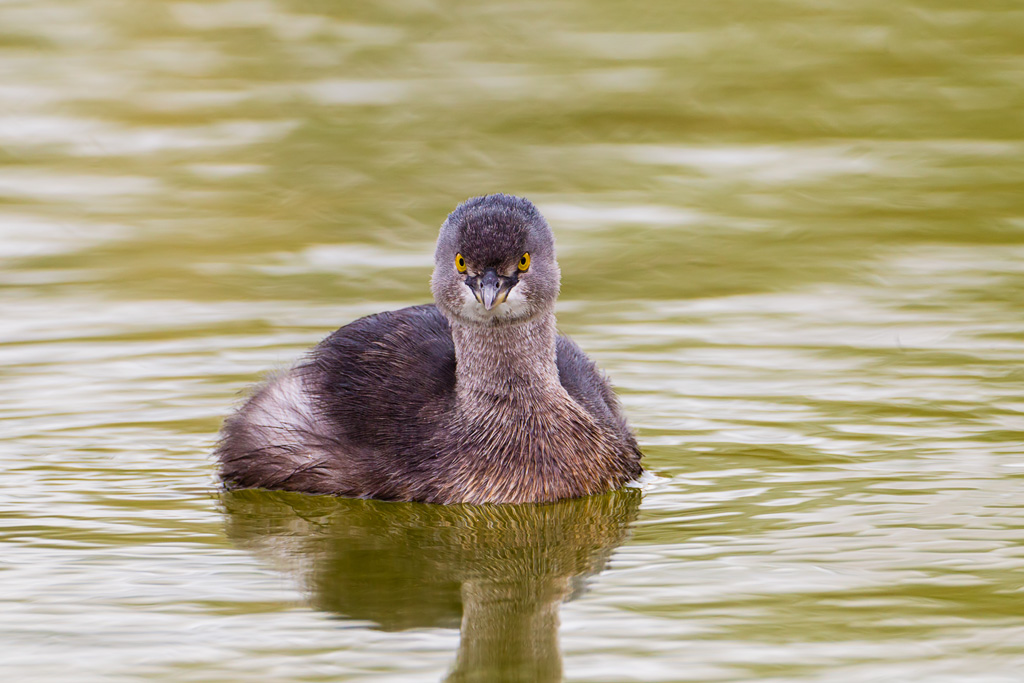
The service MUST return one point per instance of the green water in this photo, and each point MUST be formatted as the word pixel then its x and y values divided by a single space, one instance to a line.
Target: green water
pixel 792 233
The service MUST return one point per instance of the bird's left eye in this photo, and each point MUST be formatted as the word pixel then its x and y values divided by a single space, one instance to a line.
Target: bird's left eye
pixel 524 262
pixel 460 263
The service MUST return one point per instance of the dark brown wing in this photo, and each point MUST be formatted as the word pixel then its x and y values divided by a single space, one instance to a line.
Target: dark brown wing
pixel 590 388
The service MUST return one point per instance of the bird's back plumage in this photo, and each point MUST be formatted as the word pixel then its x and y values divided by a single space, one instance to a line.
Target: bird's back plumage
pixel 363 415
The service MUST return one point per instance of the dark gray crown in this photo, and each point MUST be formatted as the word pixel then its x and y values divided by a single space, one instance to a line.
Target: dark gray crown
pixel 496 228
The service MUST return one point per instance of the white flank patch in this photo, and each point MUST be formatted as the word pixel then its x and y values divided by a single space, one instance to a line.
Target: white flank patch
pixel 283 413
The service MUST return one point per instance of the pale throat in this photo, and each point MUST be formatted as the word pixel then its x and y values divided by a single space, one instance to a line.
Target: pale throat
pixel 510 362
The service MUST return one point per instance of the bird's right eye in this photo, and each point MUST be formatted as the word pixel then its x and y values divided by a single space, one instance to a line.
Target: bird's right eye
pixel 460 263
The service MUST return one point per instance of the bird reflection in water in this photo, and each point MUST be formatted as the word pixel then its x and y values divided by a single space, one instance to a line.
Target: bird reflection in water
pixel 496 572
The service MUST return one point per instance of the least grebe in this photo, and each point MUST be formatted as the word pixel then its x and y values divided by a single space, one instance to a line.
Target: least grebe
pixel 475 399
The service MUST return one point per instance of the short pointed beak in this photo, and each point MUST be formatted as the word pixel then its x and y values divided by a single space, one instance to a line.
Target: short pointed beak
pixel 489 286
pixel 490 289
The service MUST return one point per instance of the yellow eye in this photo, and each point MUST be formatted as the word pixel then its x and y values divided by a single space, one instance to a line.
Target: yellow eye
pixel 524 262
pixel 460 263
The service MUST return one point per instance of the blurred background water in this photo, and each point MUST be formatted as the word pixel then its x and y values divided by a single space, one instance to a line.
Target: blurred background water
pixel 791 232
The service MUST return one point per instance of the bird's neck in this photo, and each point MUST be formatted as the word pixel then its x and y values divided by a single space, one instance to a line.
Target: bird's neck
pixel 506 362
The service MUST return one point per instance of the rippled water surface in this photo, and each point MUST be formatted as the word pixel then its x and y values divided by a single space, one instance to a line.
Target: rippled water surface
pixel 792 233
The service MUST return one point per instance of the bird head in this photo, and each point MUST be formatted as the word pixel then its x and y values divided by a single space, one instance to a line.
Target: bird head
pixel 495 262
